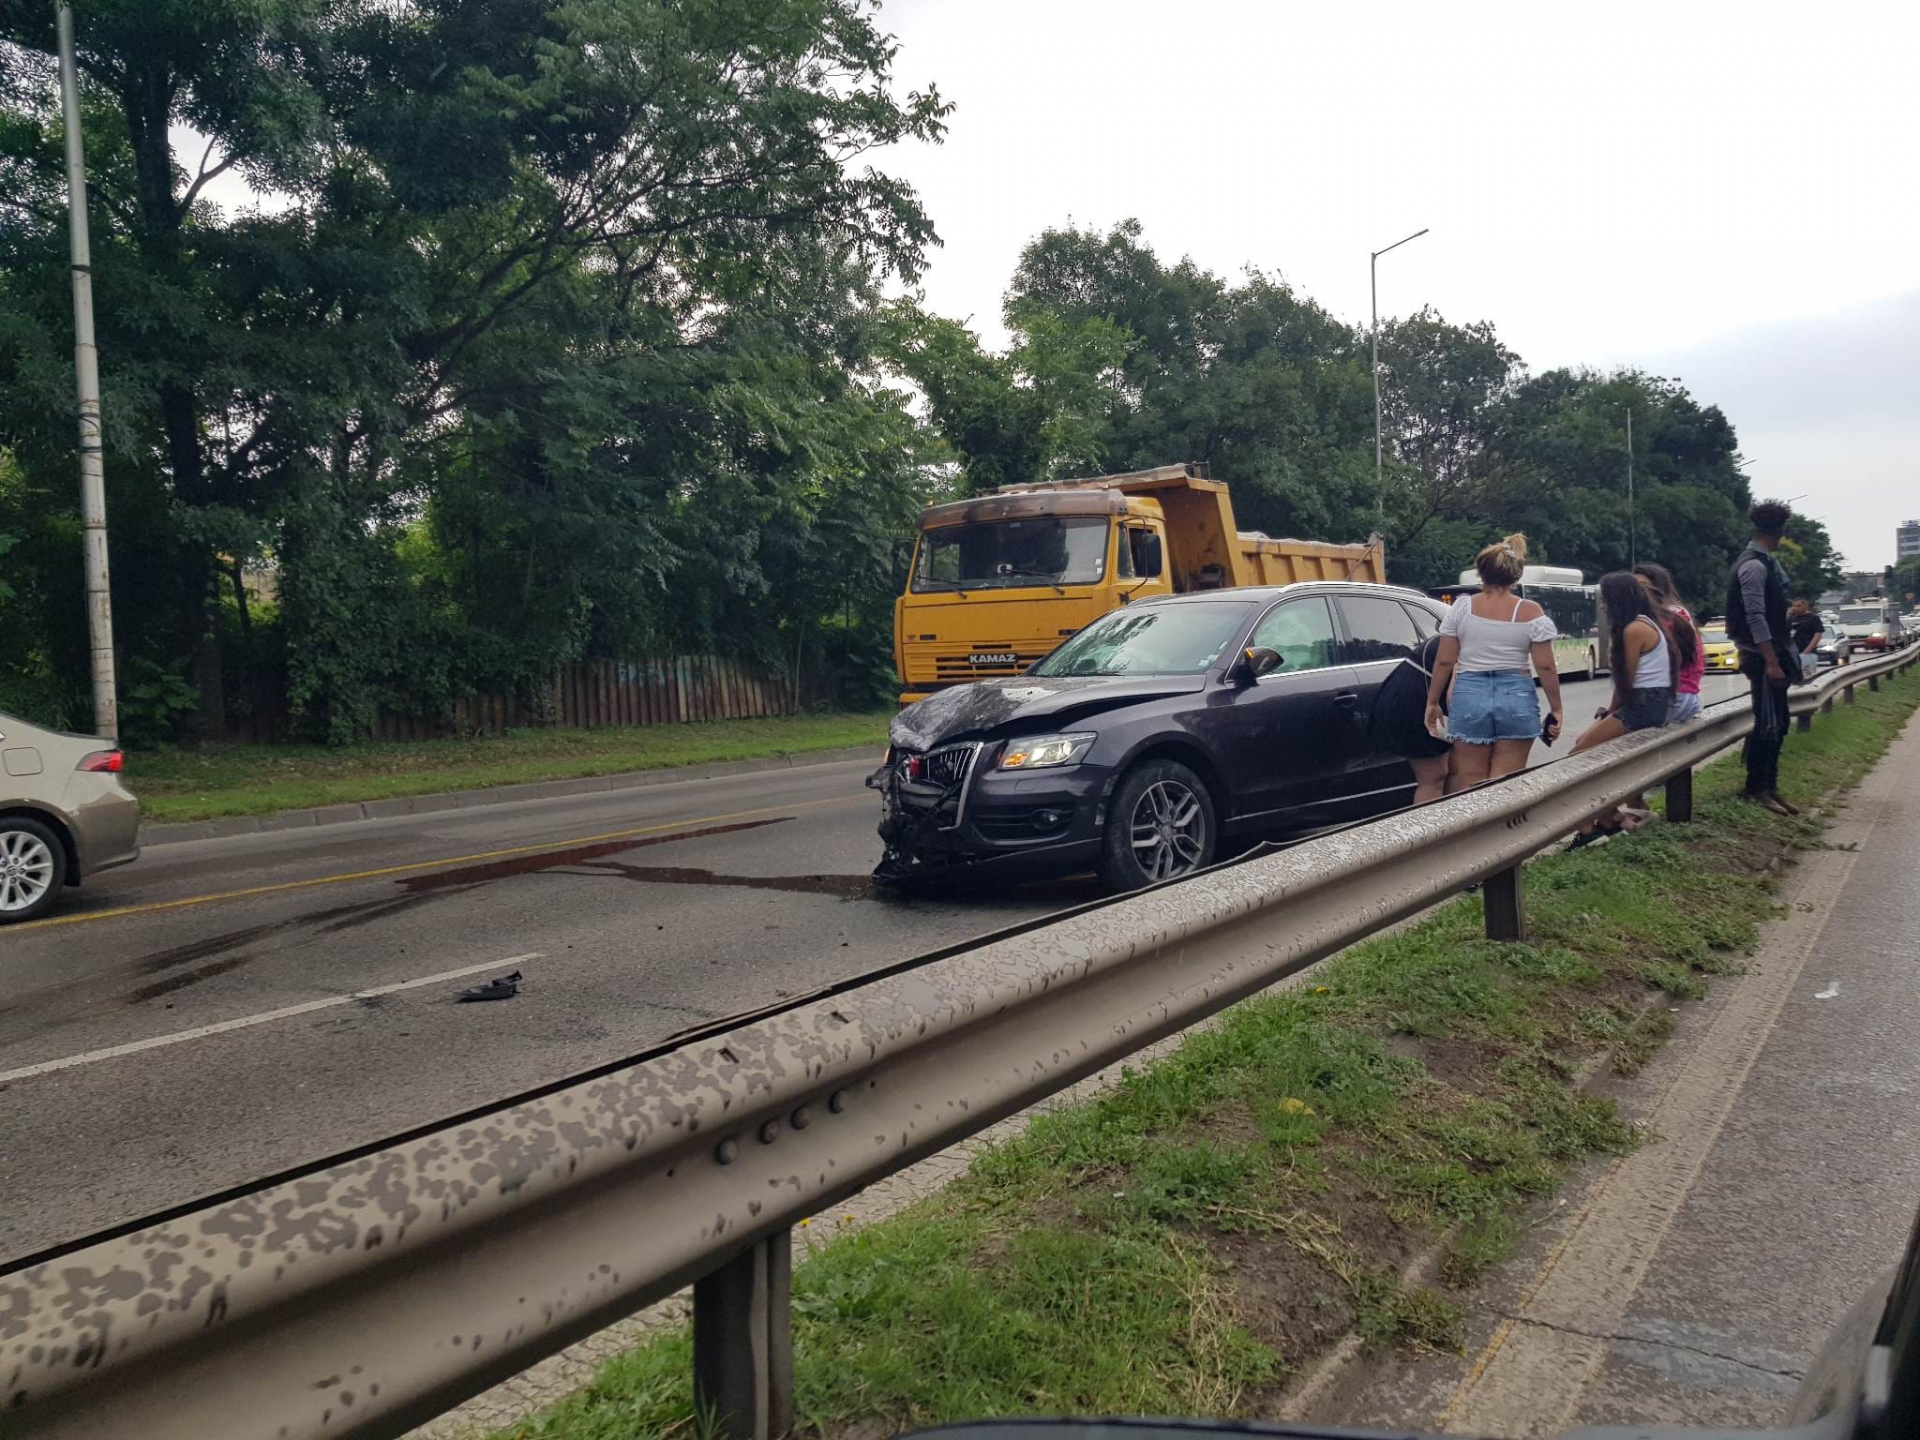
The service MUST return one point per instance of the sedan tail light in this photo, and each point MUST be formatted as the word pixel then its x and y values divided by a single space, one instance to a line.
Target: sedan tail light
pixel 110 761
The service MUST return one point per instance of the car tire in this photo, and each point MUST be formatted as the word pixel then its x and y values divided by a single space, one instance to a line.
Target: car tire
pixel 1161 824
pixel 1593 663
pixel 33 868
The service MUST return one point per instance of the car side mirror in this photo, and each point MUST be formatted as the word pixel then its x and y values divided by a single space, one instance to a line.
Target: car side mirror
pixel 1257 660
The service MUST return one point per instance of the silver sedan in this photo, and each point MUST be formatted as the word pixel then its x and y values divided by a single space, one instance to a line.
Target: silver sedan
pixel 64 815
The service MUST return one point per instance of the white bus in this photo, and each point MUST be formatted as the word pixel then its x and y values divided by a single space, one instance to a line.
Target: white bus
pixel 1571 603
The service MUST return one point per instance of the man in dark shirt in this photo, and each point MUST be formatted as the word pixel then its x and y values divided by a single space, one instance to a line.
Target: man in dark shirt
pixel 1757 623
pixel 1807 627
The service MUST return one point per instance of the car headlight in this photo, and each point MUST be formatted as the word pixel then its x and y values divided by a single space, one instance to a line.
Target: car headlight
pixel 1038 752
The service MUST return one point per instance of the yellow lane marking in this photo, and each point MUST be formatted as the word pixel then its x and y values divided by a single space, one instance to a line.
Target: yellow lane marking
pixel 119 912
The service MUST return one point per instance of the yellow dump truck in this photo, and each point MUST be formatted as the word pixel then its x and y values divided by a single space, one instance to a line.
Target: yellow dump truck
pixel 999 580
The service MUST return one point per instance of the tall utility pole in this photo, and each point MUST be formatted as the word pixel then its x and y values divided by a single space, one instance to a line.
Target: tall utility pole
pixel 1633 532
pixel 1373 281
pixel 86 372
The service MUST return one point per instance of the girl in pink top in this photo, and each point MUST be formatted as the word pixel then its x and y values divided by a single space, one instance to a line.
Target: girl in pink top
pixel 1686 642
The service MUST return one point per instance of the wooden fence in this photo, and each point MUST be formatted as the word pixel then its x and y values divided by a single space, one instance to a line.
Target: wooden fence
pixel 596 693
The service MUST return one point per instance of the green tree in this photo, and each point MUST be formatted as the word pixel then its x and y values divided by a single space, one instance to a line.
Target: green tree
pixel 1441 390
pixel 1813 566
pixel 1253 380
pixel 500 218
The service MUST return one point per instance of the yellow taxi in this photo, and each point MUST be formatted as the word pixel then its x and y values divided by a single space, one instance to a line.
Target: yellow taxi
pixel 1721 652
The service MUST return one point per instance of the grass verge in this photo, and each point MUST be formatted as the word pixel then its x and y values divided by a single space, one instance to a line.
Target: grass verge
pixel 224 780
pixel 1183 1243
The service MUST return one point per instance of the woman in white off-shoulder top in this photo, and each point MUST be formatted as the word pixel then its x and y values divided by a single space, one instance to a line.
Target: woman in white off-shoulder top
pixel 1492 644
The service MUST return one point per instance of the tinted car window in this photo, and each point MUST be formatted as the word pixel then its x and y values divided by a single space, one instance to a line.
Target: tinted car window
pixel 1149 640
pixel 1424 621
pixel 1377 629
pixel 1302 631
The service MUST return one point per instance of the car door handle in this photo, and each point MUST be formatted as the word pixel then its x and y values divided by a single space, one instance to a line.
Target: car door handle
pixel 1347 697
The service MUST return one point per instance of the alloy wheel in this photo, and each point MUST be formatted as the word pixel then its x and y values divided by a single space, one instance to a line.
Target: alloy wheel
pixel 26 870
pixel 1169 830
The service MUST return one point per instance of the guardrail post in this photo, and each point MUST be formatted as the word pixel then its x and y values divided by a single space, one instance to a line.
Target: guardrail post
pixel 1505 907
pixel 1847 694
pixel 1873 683
pixel 1803 722
pixel 1680 795
pixel 743 1341
pixel 1826 706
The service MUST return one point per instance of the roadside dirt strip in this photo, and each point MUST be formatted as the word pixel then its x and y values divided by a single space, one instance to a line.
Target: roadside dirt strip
pixel 1610 1313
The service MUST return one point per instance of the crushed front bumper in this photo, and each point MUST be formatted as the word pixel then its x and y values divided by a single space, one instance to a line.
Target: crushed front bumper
pixel 936 820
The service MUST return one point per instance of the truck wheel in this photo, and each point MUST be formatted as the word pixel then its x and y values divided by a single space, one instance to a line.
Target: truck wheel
pixel 1160 825
pixel 1593 662
pixel 32 867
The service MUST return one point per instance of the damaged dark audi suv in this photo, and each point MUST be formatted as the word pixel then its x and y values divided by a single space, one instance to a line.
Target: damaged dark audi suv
pixel 1155 737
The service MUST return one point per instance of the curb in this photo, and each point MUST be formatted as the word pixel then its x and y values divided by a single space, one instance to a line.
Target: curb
pixel 175 834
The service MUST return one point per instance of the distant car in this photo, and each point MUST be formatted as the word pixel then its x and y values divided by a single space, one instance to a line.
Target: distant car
pixel 1872 625
pixel 1155 735
pixel 64 815
pixel 1718 648
pixel 1834 648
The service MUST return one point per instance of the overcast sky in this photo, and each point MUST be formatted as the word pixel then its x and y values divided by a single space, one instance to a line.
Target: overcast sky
pixel 1722 193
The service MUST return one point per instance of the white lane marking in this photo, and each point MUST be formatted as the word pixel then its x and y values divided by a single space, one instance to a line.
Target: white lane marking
pixel 200 1032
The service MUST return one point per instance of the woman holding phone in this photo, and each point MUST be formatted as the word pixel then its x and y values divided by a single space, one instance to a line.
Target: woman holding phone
pixel 1492 644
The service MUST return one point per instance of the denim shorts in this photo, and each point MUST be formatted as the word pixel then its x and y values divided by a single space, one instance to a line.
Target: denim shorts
pixel 1646 709
pixel 1683 708
pixel 1490 705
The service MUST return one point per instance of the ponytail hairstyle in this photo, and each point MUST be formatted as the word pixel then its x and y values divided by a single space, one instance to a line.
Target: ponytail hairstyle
pixel 1626 600
pixel 1503 562
pixel 1659 582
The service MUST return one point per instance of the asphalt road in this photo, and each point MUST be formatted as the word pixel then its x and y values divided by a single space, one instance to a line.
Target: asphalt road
pixel 202 1018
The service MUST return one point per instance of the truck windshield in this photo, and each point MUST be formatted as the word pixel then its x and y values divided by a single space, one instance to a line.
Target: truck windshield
pixel 1861 615
pixel 1149 640
pixel 1002 554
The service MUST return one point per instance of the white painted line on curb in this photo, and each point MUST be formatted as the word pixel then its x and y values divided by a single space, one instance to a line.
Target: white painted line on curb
pixel 200 1032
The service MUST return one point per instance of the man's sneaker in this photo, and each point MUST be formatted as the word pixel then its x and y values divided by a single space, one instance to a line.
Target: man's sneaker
pixel 1767 801
pixel 1785 804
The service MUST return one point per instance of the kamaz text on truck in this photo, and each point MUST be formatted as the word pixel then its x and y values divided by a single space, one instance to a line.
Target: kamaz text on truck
pixel 997 581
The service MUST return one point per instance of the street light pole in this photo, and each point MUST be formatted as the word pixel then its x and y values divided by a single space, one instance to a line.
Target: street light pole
pixel 1633 531
pixel 1373 283
pixel 86 369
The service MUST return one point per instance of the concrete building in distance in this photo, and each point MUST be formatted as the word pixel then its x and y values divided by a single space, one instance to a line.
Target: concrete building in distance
pixel 1906 540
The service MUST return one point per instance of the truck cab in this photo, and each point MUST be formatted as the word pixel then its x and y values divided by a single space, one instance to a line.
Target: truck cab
pixel 1872 623
pixel 997 581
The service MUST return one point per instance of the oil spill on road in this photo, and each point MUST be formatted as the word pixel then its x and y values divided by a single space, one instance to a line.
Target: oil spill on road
pixel 203 949
pixel 840 887
pixel 352 917
pixel 552 859
pixel 75 997
pixel 183 979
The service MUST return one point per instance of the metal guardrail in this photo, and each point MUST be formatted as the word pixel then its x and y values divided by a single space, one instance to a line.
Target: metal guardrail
pixel 364 1296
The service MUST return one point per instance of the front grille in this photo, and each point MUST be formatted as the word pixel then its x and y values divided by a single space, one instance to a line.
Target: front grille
pixel 950 766
pixel 941 780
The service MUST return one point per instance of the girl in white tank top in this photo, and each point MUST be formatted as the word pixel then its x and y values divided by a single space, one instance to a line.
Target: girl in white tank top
pixel 1643 679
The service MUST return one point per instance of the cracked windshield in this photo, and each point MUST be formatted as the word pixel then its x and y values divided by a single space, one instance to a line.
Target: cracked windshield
pixel 731 719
